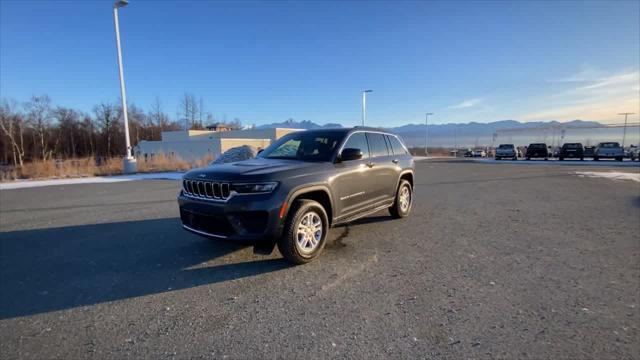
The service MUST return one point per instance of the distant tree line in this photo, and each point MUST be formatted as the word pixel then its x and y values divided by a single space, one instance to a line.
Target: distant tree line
pixel 38 130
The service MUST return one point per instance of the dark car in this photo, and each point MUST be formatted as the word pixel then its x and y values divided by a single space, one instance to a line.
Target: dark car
pixel 538 150
pixel 299 187
pixel 589 151
pixel 571 151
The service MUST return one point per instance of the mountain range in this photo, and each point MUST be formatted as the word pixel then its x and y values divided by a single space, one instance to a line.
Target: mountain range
pixel 479 134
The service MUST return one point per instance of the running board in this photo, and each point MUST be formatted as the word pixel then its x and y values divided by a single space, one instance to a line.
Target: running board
pixel 361 215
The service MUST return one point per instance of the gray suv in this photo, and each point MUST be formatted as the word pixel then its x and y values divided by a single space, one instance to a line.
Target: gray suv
pixel 297 188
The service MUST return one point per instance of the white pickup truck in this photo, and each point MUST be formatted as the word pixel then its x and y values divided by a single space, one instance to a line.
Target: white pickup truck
pixel 506 151
pixel 609 150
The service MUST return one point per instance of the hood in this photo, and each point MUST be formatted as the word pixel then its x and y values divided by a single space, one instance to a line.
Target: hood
pixel 254 168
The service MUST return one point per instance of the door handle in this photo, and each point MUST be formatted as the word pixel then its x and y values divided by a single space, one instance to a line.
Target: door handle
pixel 395 161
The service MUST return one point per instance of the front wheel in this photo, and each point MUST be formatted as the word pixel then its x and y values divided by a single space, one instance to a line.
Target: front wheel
pixel 404 199
pixel 305 232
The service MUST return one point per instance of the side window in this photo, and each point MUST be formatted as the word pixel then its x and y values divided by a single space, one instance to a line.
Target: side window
pixel 358 141
pixel 377 144
pixel 396 146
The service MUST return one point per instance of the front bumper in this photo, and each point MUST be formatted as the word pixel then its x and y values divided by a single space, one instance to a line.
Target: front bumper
pixel 247 218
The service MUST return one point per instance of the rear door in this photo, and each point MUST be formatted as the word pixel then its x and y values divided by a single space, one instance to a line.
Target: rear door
pixel 383 168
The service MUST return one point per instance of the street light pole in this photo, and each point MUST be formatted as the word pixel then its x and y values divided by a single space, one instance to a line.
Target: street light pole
pixel 129 162
pixel 426 132
pixel 624 132
pixel 364 105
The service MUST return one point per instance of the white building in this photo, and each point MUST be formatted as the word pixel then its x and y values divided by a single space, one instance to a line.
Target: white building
pixel 196 144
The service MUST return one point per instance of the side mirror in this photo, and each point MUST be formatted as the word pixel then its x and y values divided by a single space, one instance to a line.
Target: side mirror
pixel 350 154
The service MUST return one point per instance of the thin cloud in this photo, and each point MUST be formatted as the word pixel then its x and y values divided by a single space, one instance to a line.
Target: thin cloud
pixel 467 104
pixel 598 99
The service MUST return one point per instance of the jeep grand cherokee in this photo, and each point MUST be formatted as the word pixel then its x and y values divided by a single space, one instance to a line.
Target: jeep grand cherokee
pixel 299 187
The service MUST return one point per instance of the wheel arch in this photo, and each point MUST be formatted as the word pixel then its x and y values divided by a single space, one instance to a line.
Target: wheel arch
pixel 319 193
pixel 407 175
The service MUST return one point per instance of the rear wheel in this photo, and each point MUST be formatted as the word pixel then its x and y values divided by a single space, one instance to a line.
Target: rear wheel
pixel 404 199
pixel 561 159
pixel 595 158
pixel 619 158
pixel 305 232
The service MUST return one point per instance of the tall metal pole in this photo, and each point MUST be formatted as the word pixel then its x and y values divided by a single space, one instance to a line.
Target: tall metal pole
pixel 129 161
pixel 426 133
pixel 624 132
pixel 364 105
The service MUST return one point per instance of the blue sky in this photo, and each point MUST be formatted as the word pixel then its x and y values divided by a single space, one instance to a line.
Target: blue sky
pixel 270 61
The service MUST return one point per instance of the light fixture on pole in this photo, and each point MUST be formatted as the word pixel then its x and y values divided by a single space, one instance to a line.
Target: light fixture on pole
pixel 426 132
pixel 364 105
pixel 129 162
pixel 624 132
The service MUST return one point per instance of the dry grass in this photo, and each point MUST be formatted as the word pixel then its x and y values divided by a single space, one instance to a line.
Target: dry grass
pixel 57 169
pixel 436 151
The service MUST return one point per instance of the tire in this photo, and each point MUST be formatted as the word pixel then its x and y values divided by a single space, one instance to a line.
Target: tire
pixel 528 158
pixel 515 158
pixel 619 159
pixel 581 159
pixel 498 158
pixel 306 249
pixel 400 209
pixel 561 159
pixel 595 158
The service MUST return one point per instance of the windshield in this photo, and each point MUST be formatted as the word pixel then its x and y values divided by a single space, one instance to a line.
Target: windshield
pixel 572 146
pixel 305 145
pixel 610 145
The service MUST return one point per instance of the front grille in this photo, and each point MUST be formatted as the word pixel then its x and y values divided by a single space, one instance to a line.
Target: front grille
pixel 206 189
pixel 214 225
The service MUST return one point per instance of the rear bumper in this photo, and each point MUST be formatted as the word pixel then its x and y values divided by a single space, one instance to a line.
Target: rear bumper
pixel 249 218
pixel 574 155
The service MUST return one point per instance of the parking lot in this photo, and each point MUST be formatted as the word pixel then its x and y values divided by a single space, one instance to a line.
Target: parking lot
pixel 497 260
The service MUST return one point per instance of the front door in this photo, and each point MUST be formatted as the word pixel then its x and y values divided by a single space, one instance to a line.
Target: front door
pixel 350 187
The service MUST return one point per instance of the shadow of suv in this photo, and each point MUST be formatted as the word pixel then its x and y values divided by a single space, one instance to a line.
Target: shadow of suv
pixel 299 187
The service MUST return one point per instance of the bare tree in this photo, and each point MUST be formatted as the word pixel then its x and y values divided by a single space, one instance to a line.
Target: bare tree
pixel 106 114
pixel 188 109
pixel 68 126
pixel 12 125
pixel 39 113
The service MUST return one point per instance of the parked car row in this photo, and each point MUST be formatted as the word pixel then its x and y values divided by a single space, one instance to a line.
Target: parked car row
pixel 604 150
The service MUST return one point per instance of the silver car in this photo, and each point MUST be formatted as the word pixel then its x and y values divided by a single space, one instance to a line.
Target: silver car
pixel 609 150
pixel 506 151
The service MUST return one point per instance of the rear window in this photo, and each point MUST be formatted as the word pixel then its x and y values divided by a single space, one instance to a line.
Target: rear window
pixel 572 146
pixel 610 145
pixel 538 146
pixel 505 146
pixel 396 146
pixel 377 145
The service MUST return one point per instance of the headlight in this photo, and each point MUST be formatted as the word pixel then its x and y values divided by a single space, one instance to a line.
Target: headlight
pixel 254 188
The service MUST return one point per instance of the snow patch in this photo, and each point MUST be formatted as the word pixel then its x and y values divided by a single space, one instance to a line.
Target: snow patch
pixel 24 184
pixel 610 175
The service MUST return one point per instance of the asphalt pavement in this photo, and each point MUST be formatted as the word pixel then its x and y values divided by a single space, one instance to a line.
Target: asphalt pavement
pixel 497 260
